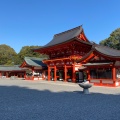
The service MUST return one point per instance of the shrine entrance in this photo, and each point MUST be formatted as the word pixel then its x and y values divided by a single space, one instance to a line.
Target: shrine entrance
pixel 61 74
pixel 69 75
pixel 81 76
pixel 72 57
pixel 63 51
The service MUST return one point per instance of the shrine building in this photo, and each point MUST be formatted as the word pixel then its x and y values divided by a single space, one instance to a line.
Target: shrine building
pixel 72 57
pixel 36 69
pixel 12 71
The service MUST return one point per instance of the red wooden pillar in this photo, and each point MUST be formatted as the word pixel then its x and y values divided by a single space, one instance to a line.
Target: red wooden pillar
pixel 6 74
pixel 0 74
pixel 48 73
pixel 88 75
pixel 73 73
pixel 65 73
pixel 32 73
pixel 55 73
pixel 43 75
pixel 25 74
pixel 20 75
pixel 114 74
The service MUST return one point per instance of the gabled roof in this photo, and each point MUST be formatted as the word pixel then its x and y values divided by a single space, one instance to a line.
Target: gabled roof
pixel 65 36
pixel 107 51
pixel 11 68
pixel 36 62
pixel 102 50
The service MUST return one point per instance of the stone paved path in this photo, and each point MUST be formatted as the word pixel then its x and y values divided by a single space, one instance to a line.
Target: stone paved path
pixel 43 100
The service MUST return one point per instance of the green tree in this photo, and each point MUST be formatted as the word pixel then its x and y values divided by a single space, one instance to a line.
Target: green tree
pixel 27 51
pixel 7 55
pixel 113 40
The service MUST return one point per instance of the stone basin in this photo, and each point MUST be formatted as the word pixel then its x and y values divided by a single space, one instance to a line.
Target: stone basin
pixel 85 86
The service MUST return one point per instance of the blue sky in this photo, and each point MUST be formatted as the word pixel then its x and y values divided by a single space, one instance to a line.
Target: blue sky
pixel 34 22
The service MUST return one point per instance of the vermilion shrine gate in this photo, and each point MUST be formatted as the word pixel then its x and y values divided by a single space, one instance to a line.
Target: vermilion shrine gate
pixel 71 54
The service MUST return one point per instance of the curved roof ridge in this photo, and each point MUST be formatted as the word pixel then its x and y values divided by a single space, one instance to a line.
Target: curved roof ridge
pixel 78 27
pixel 64 36
pixel 107 50
pixel 103 50
pixel 97 45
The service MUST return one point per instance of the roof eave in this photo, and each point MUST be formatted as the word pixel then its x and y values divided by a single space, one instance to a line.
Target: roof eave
pixel 72 39
pixel 86 56
pixel 109 56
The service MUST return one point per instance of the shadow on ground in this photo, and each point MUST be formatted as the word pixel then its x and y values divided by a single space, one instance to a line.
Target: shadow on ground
pixel 21 103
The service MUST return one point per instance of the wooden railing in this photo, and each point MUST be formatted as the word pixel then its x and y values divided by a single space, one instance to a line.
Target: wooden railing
pixel 105 82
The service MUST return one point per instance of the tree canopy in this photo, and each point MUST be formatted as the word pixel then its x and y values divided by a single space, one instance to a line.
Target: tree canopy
pixel 8 56
pixel 27 51
pixel 113 40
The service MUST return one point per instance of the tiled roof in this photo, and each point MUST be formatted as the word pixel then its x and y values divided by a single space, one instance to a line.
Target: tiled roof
pixel 103 50
pixel 107 51
pixel 32 61
pixel 65 36
pixel 11 68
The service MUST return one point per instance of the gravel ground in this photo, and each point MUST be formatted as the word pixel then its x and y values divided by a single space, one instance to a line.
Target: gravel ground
pixel 43 100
